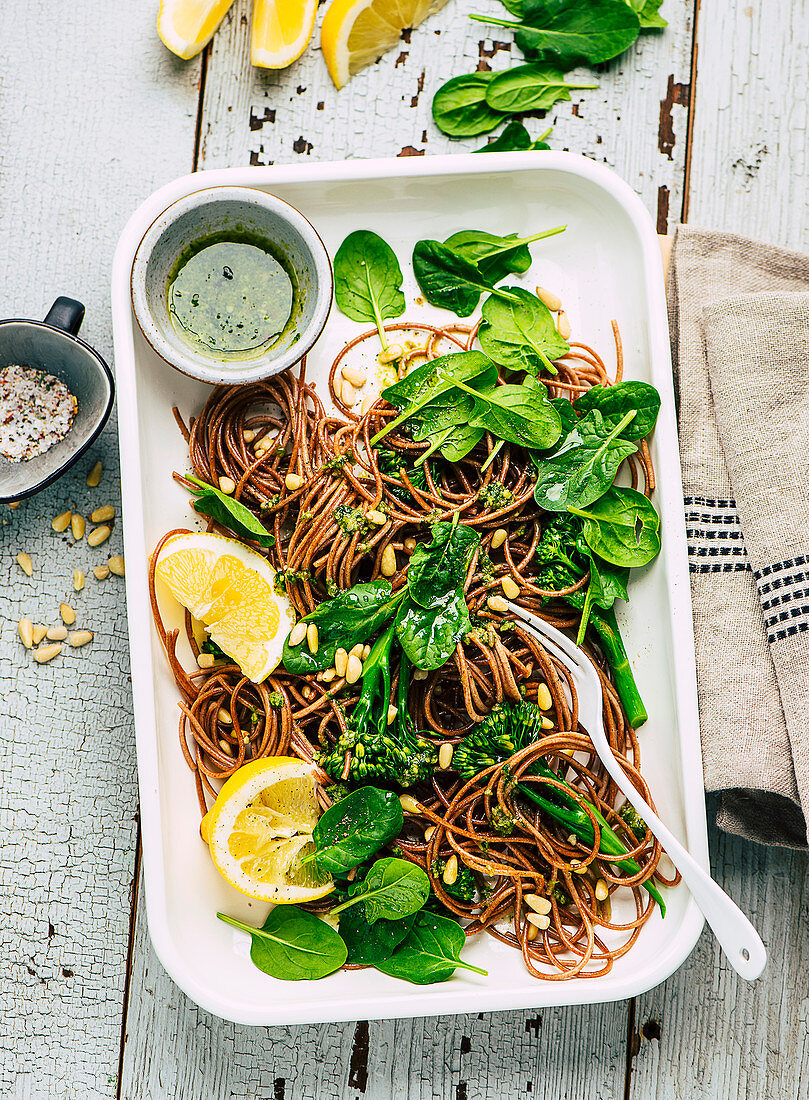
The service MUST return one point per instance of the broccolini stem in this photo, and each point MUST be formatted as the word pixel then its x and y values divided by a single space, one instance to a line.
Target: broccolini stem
pixel 611 643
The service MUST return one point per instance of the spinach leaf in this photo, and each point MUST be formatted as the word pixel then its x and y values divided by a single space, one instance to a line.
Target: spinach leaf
pixel 622 527
pixel 606 585
pixel 571 31
pixel 460 441
pixel 368 280
pixel 369 944
pixel 431 952
pixel 449 281
pixel 440 564
pixel 613 402
pixel 649 14
pixel 293 944
pixel 460 108
pixel 393 888
pixel 497 257
pixel 209 501
pixel 521 334
pixel 521 414
pixel 429 635
pixel 355 828
pixel 567 414
pixel 584 467
pixel 513 138
pixel 350 617
pixel 529 88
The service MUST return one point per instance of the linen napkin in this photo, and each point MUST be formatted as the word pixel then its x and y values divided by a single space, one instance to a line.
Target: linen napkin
pixel 739 314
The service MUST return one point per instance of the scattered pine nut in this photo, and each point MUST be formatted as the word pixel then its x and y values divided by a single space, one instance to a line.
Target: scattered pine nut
pixel 497 603
pixel 510 587
pixel 353 669
pixel 56 633
pixel 94 476
pixel 99 535
pixel 376 517
pixel 67 613
pixel 572 839
pixel 366 652
pixel 297 633
pixel 24 562
pixel 312 637
pixel 429 833
pixel 445 755
pixel 531 932
pixel 355 375
pixel 551 300
pixel 14 504
pixel 25 628
pixel 450 875
pixel 248 435
pixel 390 354
pixel 356 650
pixel 537 903
pixel 340 661
pixel 47 653
pixel 392 712
pixel 602 891
pixel 420 674
pixel 77 526
pixel 293 482
pixel 538 921
pixel 544 700
pixel 116 565
pixel 499 537
pixel 226 484
pixel 80 637
pixel 347 393
pixel 410 545
pixel 103 514
pixel 224 717
pixel 40 632
pixel 546 723
pixel 563 326
pixel 387 565
pixel 367 402
pixel 225 746
pixel 78 580
pixel 409 804
pixel 62 522
pixel 328 675
pixel 101 572
pixel 205 660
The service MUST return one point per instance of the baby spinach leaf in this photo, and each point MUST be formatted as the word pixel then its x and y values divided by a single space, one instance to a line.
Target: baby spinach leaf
pixel 584 466
pixel 355 828
pixel 460 108
pixel 369 944
pixel 649 14
pixel 393 888
pixel 429 635
pixel 447 280
pixel 622 527
pixel 529 88
pixel 613 402
pixel 209 501
pixel 368 280
pixel 460 441
pixel 440 564
pixel 514 138
pixel 352 616
pixel 567 414
pixel 293 944
pixel 606 585
pixel 521 414
pixel 497 257
pixel 431 953
pixel 521 334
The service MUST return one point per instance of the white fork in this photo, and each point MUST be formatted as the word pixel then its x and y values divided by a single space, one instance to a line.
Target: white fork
pixel 736 935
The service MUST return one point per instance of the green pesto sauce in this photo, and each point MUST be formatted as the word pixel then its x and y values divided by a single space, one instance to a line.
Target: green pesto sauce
pixel 231 296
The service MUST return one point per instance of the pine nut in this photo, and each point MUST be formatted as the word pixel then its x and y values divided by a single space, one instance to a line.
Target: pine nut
pixel 353 669
pixel 510 587
pixel 40 632
pixel 78 580
pixel 80 637
pixel 445 755
pixel 340 661
pixel 410 545
pixel 538 904
pixel 226 484
pixel 572 839
pixel 67 613
pixel 248 435
pixel 356 650
pixel 99 535
pixel 366 651
pixel 378 518
pixel 225 746
pixel 551 300
pixel 387 566
pixel 367 402
pixel 25 629
pixel 450 875
pixel 546 723
pixel 328 675
pixel 347 393
pixel 103 514
pixel 312 637
pixel 62 522
pixel 205 660
pixel 78 526
pixel 563 326
pixel 429 833
pixel 390 354
pixel 544 700
pixel 392 712
pixel 497 603
pixel 24 562
pixel 409 804
pixel 297 633
pixel 293 482
pixel 420 674
pixel 578 868
pixel 47 653
pixel 355 375
pixel 116 565
pixel 531 932
pixel 499 537
pixel 56 633
pixel 540 922
pixel 602 891
pixel 101 572
pixel 224 717
pixel 14 504
pixel 94 476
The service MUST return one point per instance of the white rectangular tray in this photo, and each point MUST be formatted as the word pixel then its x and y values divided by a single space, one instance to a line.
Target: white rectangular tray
pixel 606 265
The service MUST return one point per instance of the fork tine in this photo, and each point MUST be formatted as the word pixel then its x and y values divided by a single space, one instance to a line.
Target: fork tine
pixel 553 639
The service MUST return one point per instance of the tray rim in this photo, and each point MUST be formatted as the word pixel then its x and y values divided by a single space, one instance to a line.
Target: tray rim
pixel 442 999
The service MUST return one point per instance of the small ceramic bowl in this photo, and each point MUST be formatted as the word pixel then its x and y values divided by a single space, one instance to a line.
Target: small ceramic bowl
pixel 53 346
pixel 207 214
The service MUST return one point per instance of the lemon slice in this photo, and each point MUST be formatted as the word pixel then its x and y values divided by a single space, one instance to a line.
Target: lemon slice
pixel 281 31
pixel 355 33
pixel 231 591
pixel 187 26
pixel 259 828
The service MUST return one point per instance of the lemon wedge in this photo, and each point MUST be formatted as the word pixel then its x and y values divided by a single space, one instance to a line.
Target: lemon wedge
pixel 355 33
pixel 231 591
pixel 187 26
pixel 281 31
pixel 261 826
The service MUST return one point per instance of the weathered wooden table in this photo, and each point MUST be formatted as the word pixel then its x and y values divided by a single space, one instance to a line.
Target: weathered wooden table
pixel 708 122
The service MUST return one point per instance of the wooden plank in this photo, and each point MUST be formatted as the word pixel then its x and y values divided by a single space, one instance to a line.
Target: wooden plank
pixel 94 114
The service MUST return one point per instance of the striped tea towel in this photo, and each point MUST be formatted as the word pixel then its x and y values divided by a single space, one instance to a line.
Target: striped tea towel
pixel 739 314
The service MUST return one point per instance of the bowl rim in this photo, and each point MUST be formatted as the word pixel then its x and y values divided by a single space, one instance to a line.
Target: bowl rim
pixel 105 374
pixel 230 376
